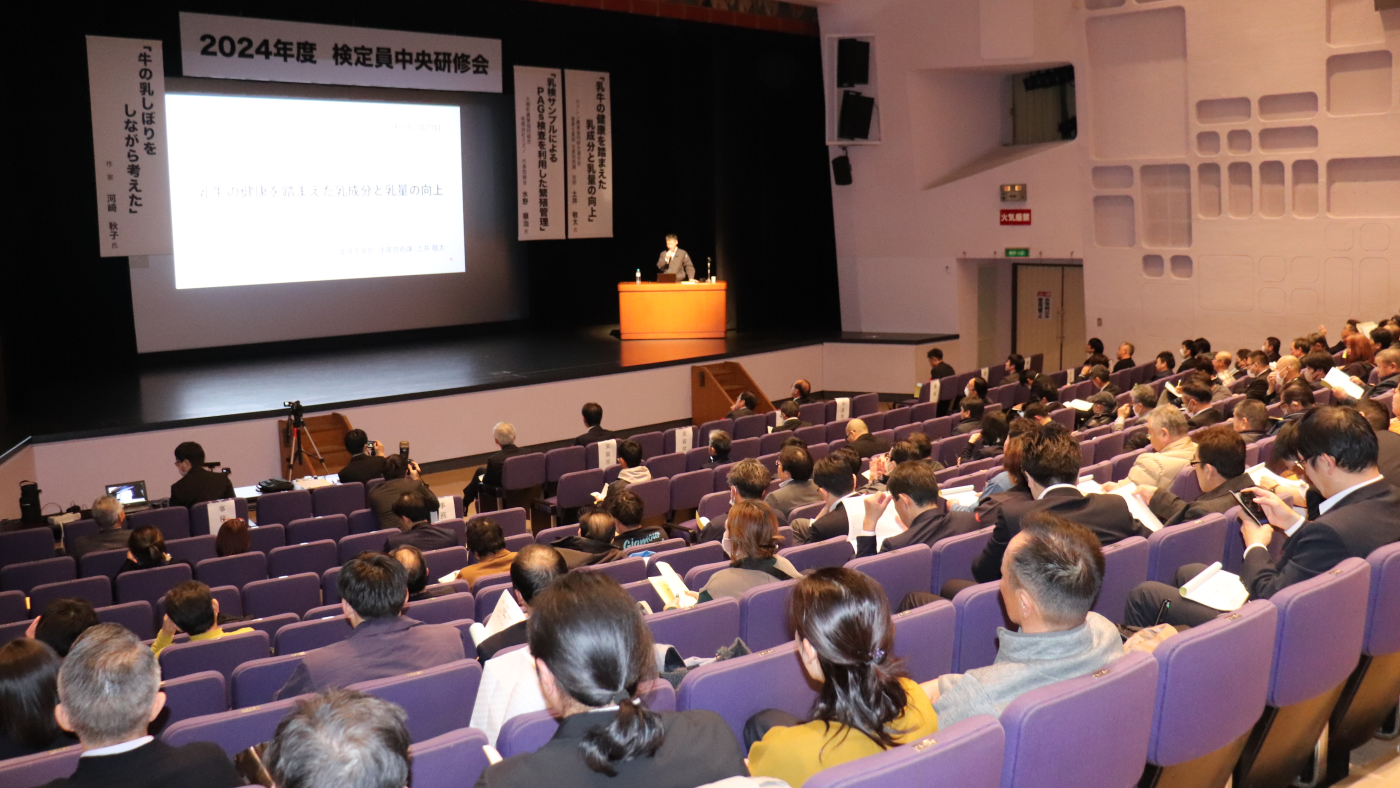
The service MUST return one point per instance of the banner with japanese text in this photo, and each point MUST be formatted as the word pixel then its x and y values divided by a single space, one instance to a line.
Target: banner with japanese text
pixel 539 150
pixel 589 97
pixel 127 82
pixel 235 47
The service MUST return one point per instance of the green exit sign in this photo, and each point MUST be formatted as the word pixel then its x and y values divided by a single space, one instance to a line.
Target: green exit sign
pixel 1018 252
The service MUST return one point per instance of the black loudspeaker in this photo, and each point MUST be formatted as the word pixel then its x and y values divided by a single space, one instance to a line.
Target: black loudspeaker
pixel 854 122
pixel 841 170
pixel 852 62
pixel 30 510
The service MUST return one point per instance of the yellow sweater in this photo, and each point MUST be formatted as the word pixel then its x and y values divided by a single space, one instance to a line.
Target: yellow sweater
pixel 795 754
pixel 163 640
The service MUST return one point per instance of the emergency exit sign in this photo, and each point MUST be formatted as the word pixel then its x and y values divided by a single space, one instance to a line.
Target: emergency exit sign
pixel 1016 216
pixel 1023 252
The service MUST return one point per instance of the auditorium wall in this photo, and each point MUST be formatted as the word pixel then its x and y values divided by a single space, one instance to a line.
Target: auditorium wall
pixel 1236 172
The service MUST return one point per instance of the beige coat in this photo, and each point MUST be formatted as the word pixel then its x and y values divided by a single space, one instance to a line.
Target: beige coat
pixel 1160 468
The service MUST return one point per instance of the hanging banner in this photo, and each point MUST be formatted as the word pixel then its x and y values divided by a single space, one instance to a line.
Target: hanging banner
pixel 127 82
pixel 236 47
pixel 539 150
pixel 589 95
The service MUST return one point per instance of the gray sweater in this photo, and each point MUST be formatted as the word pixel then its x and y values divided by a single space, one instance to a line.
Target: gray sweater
pixel 1024 663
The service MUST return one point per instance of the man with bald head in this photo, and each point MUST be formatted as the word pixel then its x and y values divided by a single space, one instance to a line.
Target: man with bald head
pixel 1266 389
pixel 1224 367
pixel 858 437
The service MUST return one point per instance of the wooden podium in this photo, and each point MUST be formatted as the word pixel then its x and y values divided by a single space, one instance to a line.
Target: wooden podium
pixel 653 310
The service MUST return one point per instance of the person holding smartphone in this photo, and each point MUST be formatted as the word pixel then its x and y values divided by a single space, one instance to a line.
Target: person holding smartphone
pixel 366 458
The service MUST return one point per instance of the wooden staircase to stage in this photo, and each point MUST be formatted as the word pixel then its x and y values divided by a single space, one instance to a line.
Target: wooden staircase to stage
pixel 329 433
pixel 714 387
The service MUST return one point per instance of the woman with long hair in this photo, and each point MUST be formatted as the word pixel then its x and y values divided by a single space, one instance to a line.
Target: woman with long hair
pixel 233 538
pixel 1360 356
pixel 593 653
pixel 145 549
pixel 845 639
pixel 28 693
pixel 751 542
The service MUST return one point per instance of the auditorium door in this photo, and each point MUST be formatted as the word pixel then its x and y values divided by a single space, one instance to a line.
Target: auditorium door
pixel 1049 313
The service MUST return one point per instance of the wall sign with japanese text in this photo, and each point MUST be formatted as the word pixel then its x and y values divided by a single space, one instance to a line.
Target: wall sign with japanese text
pixel 539 150
pixel 589 97
pixel 127 80
pixel 1042 305
pixel 235 47
pixel 1016 216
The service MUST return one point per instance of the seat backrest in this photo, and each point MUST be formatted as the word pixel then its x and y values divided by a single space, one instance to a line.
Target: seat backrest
pixel 513 521
pixel 12 607
pixel 313 529
pixel 670 438
pixel 257 682
pixel 980 613
pixel 738 688
pixel 698 576
pixel 284 507
pixel 763 615
pixel 831 552
pixel 451 760
pixel 666 465
pixel 438 699
pixel 1124 462
pixel 306 635
pixel 1383 605
pixel 967 754
pixel 234 731
pixel 1088 732
pixel 97 590
pixel 1321 624
pixel 810 511
pixel 443 560
pixel 689 487
pixel 523 471
pixel 269 624
pixel 836 430
pixel 1186 486
pixel 772 442
pixel 1125 568
pixel 653 444
pixel 628 570
pixel 139 617
pixel 952 557
pixel 702 438
pixel 1195 542
pixel 315 557
pixel 684 559
pixel 354 544
pixel 655 495
pixel 221 654
pixel 293 594
pixel 40 768
pixel 714 505
pixel 442 609
pixel 697 631
pixel 24 577
pixel 575 486
pixel 898 572
pixel 199 516
pixel 924 637
pixel 486 597
pixel 265 537
pixel 342 498
pixel 751 426
pixel 192 549
pixel 195 695
pixel 744 449
pixel 72 532
pixel 151 584
pixel 557 462
pixel 172 521
pixel 234 570
pixel 1108 447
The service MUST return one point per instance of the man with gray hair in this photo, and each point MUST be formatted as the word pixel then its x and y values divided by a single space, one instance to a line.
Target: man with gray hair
pixel 108 692
pixel 1050 574
pixel 111 523
pixel 490 475
pixel 1173 449
pixel 1144 399
pixel 341 739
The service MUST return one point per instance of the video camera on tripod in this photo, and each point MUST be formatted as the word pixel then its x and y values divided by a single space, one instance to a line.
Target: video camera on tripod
pixel 296 427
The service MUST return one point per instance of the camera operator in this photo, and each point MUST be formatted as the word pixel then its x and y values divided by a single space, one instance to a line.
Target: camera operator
pixel 366 458
pixel 400 476
pixel 197 483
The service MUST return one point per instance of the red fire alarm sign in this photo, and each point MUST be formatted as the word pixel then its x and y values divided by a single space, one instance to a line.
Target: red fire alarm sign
pixel 1021 216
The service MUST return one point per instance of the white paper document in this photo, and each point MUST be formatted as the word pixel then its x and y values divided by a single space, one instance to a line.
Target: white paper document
pixel 1079 405
pixel 843 408
pixel 683 439
pixel 965 495
pixel 1216 588
pixel 1171 389
pixel 599 496
pixel 935 388
pixel 1139 509
pixel 220 511
pixel 888 525
pixel 506 614
pixel 1088 486
pixel 1336 378
pixel 447 509
pixel 670 587
pixel 1261 472
pixel 312 483
pixel 607 453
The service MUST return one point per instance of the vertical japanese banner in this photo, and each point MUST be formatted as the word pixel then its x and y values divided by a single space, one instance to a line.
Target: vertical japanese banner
pixel 589 95
pixel 127 79
pixel 539 150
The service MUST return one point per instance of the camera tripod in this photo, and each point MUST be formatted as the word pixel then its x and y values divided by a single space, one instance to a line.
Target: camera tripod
pixel 296 426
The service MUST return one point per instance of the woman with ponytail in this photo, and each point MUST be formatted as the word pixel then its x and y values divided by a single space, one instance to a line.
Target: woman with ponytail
pixel 592 653
pixel 866 704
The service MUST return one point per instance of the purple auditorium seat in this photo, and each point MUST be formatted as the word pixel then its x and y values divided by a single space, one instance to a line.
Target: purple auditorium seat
pixel 722 477
pixel 552 535
pixel 1101 472
pixel 573 492
pixel 1211 687
pixel 688 488
pixel 1087 447
pixel 362 521
pixel 323 611
pixel 306 635
pixel 451 760
pixel 1321 626
pixel 884 435
pixel 72 532
pixel 354 544
pixel 628 570
pixel 924 637
pixel 528 732
pixel 1196 542
pixel 514 543
pixel 442 609
pixel 456 525
pixel 763 615
pixel 1125 567
pixel 949 449
pixel 666 465
pixel 444 560
pixel 150 585
pixel 314 529
pixel 1064 417
pixel 652 443
pixel 902 433
pixel 270 625
pixel 1366 701
pixel 438 699
pixel 684 559
pixel 314 557
pixel 265 537
pixel 664 546
pixel 173 522
pixel 25 576
pixel 1266 448
pixel 139 617
pixel 463 627
pixel 897 417
pixel 1186 486
pixel 698 576
pixel 818 450
pixel 293 594
pixel 655 495
pixel 697 631
pixel 12 607
pixel 702 437
pixel 513 521
pixel 1087 732
pixel 736 689
pixel 670 438
pixel 1124 462
pixel 697 458
pixel 813 433
pixel 836 430
pixel 750 426
pixel 980 613
pixel 97 590
pixel 772 443
pixel 967 755
pixel 812 413
pixel 521 477
pixel 744 449
pixel 644 591
pixel 1233 559
pixel 923 412
pixel 341 498
pixel 832 552
pixel 284 507
pixel 234 731
pixel 12 630
pixel 256 683
pixel 234 570
pixel 810 511
pixel 899 572
pixel 102 562
pixel 486 597
pixel 40 768
pixel 194 695
pixel 222 655
pixel 558 462
pixel 875 422
pixel 716 504
pixel 199 516
pixel 192 549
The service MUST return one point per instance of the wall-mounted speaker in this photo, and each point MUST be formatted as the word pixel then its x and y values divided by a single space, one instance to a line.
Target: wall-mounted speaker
pixel 841 170
pixel 852 62
pixel 854 121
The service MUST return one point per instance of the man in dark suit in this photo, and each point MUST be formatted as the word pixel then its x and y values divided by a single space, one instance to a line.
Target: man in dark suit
pixel 1050 461
pixel 1387 442
pixel 1219 466
pixel 1286 370
pixel 108 692
pixel 913 491
pixel 858 437
pixel 400 477
pixel 490 476
pixel 1387 376
pixel 111 519
pixel 593 544
pixel 1195 398
pixel 835 481
pixel 534 568
pixel 1359 514
pixel 366 458
pixel 937 367
pixel 1250 420
pixel 593 420
pixel 413 509
pixel 720 442
pixel 1295 400
pixel 970 417
pixel 383 643
pixel 744 405
pixel 311 745
pixel 1164 365
pixel 747 479
pixel 675 261
pixel 1100 375
pixel 795 487
pixel 1125 357
pixel 802 392
pixel 417 571
pixel 791 420
pixel 197 484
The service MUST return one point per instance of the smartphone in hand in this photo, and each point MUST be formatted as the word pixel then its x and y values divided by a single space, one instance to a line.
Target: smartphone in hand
pixel 1250 507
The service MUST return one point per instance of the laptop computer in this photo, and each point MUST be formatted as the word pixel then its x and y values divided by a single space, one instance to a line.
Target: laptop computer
pixel 131 495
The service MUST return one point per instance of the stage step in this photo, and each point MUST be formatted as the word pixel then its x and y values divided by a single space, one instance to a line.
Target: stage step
pixel 714 387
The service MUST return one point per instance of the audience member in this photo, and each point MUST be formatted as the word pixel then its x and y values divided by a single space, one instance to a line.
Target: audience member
pixel 795 487
pixel 63 621
pixel 913 491
pixel 1101 410
pixel 373 590
pixel 192 609
pixel 1294 401
pixel 197 483
pixel 593 651
pixel 1010 483
pixel 751 542
pixel 836 482
pixel 627 510
pixel 340 739
pixel 28 694
pixel 1144 399
pixel 1219 467
pixel 1125 357
pixel 1037 412
pixel 400 476
pixel 1359 514
pixel 937 367
pixel 1272 346
pixel 1258 365
pixel 107 511
pixel 1045 392
pixel 233 538
pixel 487 541
pixel 629 457
pixel 1387 442
pixel 535 567
pixel 1103 382
pixel 593 420
pixel 1359 358
pixel 1242 362
pixel 976 387
pixel 1300 347
pixel 1015 366
pixel 867 703
pixel 1251 420
pixel 745 404
pixel 1316 365
pixel 1286 370
pixel 1167 430
pixel 593 544
pixel 1050 574
pixel 719 448
pixel 925 447
pixel 415 569
pixel 858 437
pixel 1387 376
pixel 503 435
pixel 790 417
pixel 1195 398
pixel 145 549
pixel 1348 329
pixel 802 393
pixel 366 458
pixel 989 441
pixel 1164 365
pixel 1189 349
pixel 1096 360
pixel 971 415
pixel 414 508
pixel 1224 367
pixel 108 692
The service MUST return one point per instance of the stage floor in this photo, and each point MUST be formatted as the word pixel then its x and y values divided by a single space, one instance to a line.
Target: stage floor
pixel 160 394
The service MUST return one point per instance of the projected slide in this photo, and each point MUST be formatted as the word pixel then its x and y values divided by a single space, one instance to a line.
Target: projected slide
pixel 267 190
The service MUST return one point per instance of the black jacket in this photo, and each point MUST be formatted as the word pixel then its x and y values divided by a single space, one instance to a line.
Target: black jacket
pixel 967 426
pixel 739 413
pixel 868 445
pixel 201 764
pixel 1250 436
pixel 495 464
pixel 940 370
pixel 200 485
pixel 1389 462
pixel 1205 418
pixel 425 536
pixel 579 551
pixel 1122 364
pixel 791 424
pixel 832 525
pixel 594 435
pixel 927 528
pixel 362 468
pixel 513 635
pixel 1106 515
pixel 1172 510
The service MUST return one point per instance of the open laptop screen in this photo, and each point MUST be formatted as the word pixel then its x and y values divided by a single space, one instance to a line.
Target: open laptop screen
pixel 128 493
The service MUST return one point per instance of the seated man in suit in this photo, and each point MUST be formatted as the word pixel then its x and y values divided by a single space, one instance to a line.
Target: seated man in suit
pixel 1164 365
pixel 490 476
pixel 1172 449
pixel 373 590
pixel 400 476
pixel 1125 357
pixel 314 746
pixel 913 491
pixel 1316 365
pixel 1272 347
pixel 413 509
pixel 795 486
pixel 791 417
pixel 593 544
pixel 1015 367
pixel 417 568
pixel 1050 460
pixel 487 541
pixel 748 480
pixel 1295 400
pixel 366 458
pixel 744 405
pixel 1100 376
pixel 1359 514
pixel 1094 349
pixel 1195 398
pixel 1387 442
pixel 534 568
pixel 1251 420
pixel 719 448
pixel 858 437
pixel 802 393
pixel 627 511
pixel 1286 370
pixel 593 420
pixel 1257 366
pixel 197 483
pixel 192 609
pixel 937 367
pixel 108 693
pixel 1044 392
pixel 971 416
pixel 835 481
pixel 1387 376
pixel 112 533
pixel 1219 467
